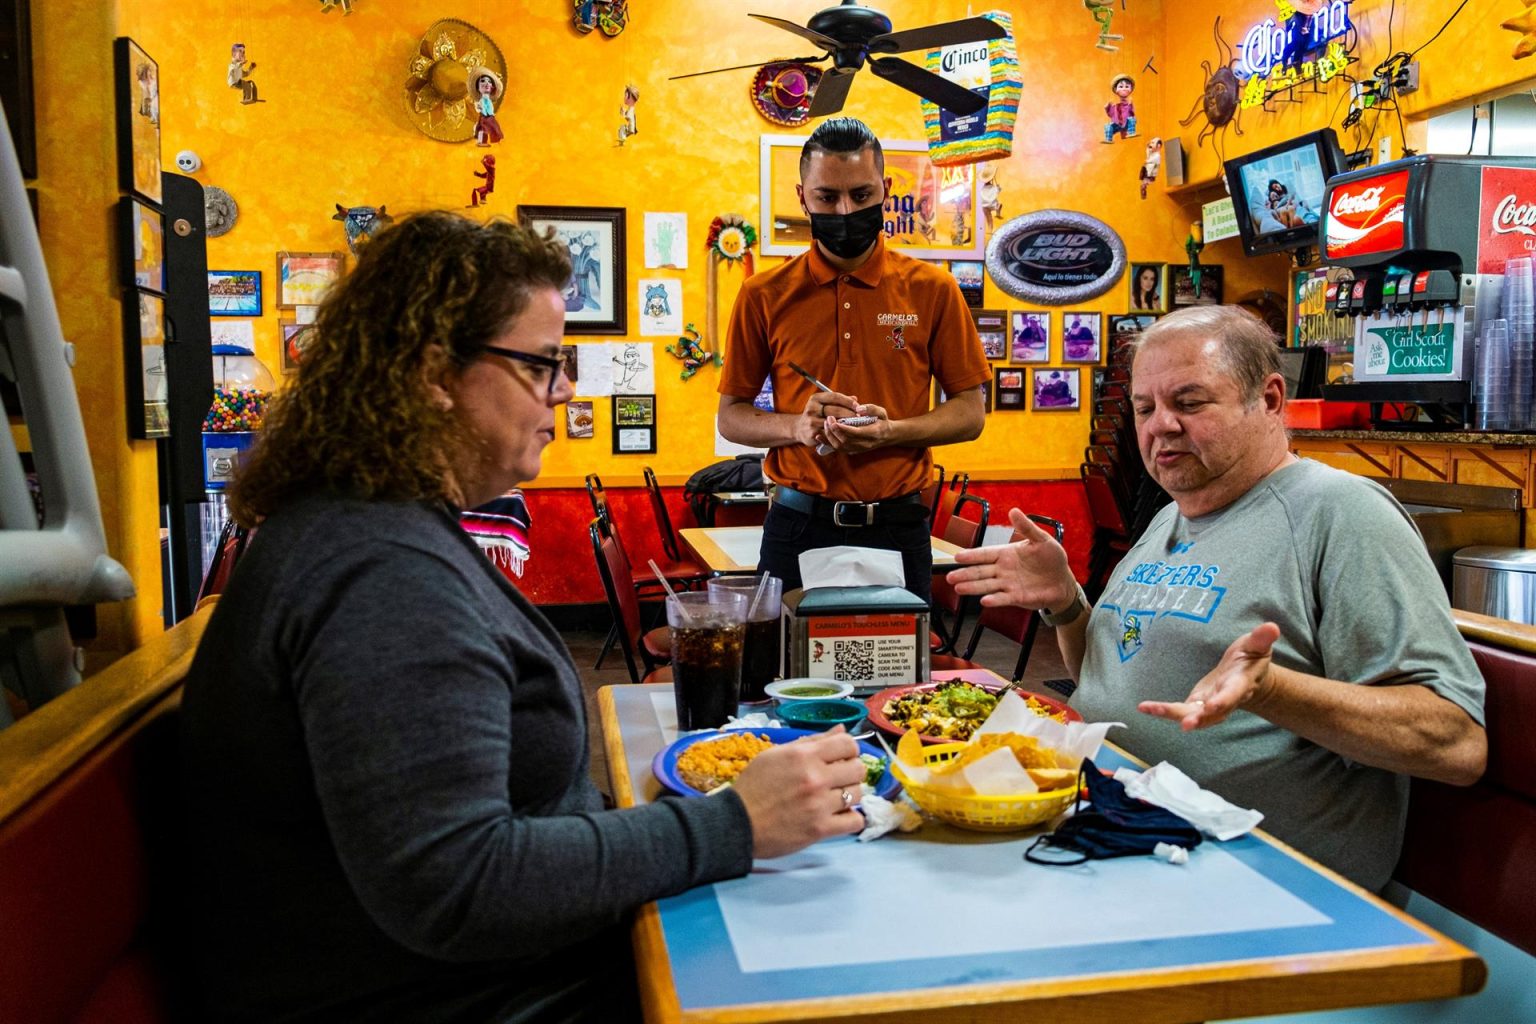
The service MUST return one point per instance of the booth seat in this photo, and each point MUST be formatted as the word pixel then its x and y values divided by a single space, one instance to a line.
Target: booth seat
pixel 1473 850
pixel 88 790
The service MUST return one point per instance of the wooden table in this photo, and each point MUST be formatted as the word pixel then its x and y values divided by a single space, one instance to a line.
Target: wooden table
pixel 1246 927
pixel 734 549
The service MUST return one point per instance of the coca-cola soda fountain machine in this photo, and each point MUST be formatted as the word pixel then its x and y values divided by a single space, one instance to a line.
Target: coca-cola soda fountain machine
pixel 1423 242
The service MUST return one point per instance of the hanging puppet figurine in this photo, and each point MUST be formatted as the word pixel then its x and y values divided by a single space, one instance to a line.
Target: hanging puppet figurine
pixel 627 111
pixel 485 89
pixel 240 74
pixel 1193 243
pixel 346 8
pixel 1103 12
pixel 1122 112
pixel 991 194
pixel 1152 164
pixel 482 193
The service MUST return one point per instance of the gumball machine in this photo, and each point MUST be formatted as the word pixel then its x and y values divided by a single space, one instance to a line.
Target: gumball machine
pixel 242 386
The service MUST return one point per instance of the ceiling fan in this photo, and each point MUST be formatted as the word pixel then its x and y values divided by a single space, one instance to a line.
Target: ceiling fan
pixel 853 35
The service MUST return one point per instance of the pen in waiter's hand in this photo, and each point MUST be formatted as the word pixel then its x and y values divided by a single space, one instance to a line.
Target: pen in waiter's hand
pixel 852 421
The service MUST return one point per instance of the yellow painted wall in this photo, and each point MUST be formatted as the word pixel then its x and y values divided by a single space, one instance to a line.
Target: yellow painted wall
pixel 332 130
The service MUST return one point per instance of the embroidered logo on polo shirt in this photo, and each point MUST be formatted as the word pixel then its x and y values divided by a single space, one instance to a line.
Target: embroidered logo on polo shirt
pixel 898 323
pixel 895 338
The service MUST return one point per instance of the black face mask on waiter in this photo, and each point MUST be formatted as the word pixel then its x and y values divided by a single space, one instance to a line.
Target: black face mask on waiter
pixel 848 235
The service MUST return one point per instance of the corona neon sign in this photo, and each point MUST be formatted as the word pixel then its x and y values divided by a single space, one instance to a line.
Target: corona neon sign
pixel 1271 44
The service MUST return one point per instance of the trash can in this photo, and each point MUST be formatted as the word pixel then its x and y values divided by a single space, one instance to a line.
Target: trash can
pixel 1496 581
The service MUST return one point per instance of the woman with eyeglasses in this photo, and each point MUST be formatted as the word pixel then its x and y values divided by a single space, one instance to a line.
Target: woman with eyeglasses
pixel 384 745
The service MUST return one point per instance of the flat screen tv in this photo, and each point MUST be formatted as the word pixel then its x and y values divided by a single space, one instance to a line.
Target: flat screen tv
pixel 1278 191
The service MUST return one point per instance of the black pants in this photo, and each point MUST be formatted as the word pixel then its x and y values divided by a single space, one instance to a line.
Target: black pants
pixel 787 533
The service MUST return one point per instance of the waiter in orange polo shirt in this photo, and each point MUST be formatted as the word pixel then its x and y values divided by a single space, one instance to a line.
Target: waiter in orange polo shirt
pixel 876 327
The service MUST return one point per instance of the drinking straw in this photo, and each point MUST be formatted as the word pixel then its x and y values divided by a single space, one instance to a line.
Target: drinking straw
pixel 757 595
pixel 682 608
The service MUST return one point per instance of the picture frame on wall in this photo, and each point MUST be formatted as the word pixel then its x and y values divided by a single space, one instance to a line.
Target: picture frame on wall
pixel 971 276
pixel 137 79
pixel 234 293
pixel 295 338
pixel 1010 387
pixel 144 376
pixel 596 297
pixel 16 94
pixel 932 212
pixel 303 277
pixel 1031 336
pixel 572 362
pixel 1057 389
pixel 1125 328
pixel 992 326
pixel 1182 286
pixel 579 419
pixel 141 245
pixel 1080 334
pixel 634 424
pixel 1149 287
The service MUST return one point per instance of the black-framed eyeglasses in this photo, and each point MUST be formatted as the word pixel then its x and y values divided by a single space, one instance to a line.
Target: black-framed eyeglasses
pixel 553 366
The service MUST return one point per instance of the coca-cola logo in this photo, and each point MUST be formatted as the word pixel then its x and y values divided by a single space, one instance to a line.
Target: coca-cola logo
pixel 1363 202
pixel 1512 216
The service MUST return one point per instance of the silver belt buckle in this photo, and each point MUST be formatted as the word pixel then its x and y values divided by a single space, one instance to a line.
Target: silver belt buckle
pixel 867 507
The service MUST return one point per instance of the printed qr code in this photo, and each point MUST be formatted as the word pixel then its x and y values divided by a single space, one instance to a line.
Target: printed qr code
pixel 853 660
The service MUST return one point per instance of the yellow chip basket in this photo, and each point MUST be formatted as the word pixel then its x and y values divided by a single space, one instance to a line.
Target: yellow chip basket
pixel 982 813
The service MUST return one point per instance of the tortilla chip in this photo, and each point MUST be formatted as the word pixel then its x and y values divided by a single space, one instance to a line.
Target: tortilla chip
pixel 1053 778
pixel 909 749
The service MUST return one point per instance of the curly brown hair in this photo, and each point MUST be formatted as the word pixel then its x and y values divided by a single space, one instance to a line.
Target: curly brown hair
pixel 427 295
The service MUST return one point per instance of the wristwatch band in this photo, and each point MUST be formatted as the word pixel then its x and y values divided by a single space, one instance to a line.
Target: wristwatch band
pixel 1069 613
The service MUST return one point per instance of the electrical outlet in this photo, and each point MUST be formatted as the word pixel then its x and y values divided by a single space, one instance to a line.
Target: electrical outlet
pixel 1384 149
pixel 1407 79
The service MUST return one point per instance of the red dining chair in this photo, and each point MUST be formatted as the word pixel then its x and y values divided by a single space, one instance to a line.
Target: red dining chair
pixel 966 528
pixel 1109 508
pixel 640 647
pixel 677 562
pixel 1017 624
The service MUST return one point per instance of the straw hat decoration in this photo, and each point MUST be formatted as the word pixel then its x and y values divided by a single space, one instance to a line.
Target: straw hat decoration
pixel 438 98
pixel 475 74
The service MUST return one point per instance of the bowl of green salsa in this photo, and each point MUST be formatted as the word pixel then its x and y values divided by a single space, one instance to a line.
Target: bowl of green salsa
pixel 786 690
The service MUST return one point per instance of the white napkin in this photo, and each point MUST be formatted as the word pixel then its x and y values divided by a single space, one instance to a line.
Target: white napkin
pixel 755 720
pixel 847 566
pixel 1172 790
pixel 882 816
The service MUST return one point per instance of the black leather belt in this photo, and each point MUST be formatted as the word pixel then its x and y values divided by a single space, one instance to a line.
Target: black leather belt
pixel 908 508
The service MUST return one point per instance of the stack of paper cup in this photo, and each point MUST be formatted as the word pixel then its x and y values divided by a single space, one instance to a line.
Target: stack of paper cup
pixel 1520 315
pixel 1493 377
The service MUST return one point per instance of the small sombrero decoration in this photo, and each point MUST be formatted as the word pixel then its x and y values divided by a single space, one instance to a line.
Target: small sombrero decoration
pixel 437 91
pixel 477 73
pixel 782 92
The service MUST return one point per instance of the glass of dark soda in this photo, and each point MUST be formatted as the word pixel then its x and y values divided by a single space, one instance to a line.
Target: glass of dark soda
pixel 764 645
pixel 707 640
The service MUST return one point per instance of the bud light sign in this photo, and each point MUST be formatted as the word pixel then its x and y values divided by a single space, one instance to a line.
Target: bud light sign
pixel 1506 222
pixel 1365 216
pixel 1055 257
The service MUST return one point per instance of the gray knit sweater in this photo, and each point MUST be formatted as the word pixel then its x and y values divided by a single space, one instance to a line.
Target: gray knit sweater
pixel 390 816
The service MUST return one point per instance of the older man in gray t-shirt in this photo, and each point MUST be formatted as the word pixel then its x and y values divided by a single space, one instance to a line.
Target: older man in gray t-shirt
pixel 1278 632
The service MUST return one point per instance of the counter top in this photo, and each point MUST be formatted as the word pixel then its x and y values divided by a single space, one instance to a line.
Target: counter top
pixel 1420 437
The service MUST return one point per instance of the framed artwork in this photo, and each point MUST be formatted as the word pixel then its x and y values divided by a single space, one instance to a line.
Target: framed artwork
pixel 295 338
pixel 1010 389
pixel 568 353
pixel 578 419
pixel 1182 286
pixel 137 78
pixel 1031 336
pixel 1057 390
pixel 303 277
pixel 971 276
pixel 596 298
pixel 141 241
pixel 1126 328
pixel 16 81
pixel 992 325
pixel 234 293
pixel 149 411
pixel 1149 287
pixel 931 213
pixel 634 424
pixel 1080 337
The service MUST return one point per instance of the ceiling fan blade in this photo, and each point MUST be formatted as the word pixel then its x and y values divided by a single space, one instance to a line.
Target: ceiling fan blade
pixel 931 37
pixel 761 63
pixel 825 42
pixel 831 92
pixel 927 85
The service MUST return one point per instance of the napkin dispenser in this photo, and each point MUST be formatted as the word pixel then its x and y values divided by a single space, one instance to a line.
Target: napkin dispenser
pixel 872 637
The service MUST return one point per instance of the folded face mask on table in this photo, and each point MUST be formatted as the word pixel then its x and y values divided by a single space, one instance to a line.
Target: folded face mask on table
pixel 1114 825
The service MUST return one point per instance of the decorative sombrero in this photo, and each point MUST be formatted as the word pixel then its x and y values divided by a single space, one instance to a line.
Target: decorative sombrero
pixel 437 92
pixel 782 92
